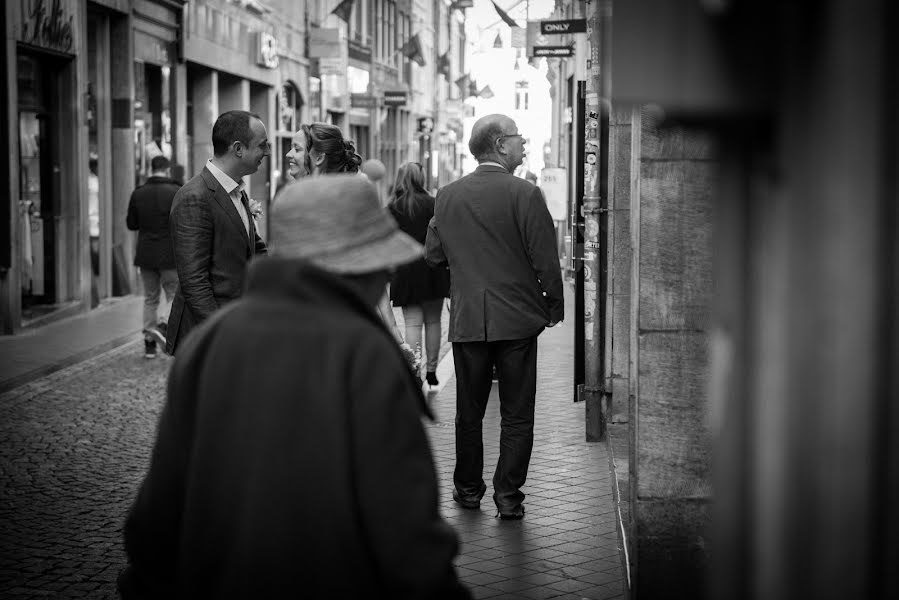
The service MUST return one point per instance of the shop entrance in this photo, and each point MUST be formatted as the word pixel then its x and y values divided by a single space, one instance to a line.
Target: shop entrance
pixel 40 215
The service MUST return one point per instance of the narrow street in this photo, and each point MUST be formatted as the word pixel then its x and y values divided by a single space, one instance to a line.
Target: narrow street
pixel 74 446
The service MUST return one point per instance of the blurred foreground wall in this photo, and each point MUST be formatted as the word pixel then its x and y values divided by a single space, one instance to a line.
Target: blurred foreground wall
pixel 764 452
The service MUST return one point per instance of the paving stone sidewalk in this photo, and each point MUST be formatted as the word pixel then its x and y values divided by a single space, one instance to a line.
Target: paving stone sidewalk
pixel 567 545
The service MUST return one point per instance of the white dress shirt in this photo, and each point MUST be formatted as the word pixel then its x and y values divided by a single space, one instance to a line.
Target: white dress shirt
pixel 233 189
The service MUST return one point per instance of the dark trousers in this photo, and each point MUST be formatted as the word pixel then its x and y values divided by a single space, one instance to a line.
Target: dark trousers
pixel 516 367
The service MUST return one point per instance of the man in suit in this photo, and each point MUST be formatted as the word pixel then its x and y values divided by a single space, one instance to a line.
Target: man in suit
pixel 496 235
pixel 213 231
pixel 148 214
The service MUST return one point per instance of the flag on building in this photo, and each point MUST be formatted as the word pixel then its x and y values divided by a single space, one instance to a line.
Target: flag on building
pixel 344 10
pixel 461 4
pixel 473 89
pixel 443 64
pixel 504 16
pixel 462 82
pixel 412 50
pixel 485 92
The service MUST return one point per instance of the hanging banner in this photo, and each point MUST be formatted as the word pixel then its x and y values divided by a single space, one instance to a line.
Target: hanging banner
pixel 324 42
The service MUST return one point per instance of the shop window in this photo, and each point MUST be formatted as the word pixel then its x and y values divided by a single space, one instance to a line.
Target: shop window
pixel 521 95
pixel 152 117
pixel 290 105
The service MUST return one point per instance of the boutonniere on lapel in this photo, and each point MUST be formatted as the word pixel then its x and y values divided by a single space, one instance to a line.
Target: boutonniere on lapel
pixel 255 208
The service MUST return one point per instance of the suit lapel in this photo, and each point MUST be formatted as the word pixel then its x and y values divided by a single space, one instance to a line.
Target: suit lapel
pixel 224 201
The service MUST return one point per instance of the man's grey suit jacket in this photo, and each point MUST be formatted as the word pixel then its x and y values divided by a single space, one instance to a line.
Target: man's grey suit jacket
pixel 212 250
pixel 494 231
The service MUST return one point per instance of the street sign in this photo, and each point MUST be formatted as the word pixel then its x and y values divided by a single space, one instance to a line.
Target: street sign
pixel 395 97
pixel 563 26
pixel 363 101
pixel 553 51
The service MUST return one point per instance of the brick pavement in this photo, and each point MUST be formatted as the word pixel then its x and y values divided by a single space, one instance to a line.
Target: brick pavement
pixel 567 545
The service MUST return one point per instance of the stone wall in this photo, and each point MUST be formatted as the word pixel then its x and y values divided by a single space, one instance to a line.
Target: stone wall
pixel 672 176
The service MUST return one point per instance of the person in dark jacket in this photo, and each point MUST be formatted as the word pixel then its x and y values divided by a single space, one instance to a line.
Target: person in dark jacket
pixel 148 214
pixel 495 233
pixel 213 226
pixel 290 459
pixel 418 288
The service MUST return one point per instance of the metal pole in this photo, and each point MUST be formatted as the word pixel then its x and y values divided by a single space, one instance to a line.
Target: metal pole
pixel 596 150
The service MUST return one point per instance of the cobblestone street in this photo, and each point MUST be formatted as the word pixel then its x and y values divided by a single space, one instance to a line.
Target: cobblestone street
pixel 73 448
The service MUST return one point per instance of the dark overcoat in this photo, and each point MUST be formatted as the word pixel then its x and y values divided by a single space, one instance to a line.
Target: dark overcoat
pixel 417 281
pixel 212 250
pixel 497 236
pixel 290 459
pixel 148 215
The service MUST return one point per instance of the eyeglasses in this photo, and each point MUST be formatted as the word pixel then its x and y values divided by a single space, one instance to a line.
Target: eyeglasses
pixel 509 135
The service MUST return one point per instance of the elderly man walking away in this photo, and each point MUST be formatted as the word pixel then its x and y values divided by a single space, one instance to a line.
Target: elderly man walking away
pixel 148 214
pixel 213 230
pixel 290 459
pixel 495 233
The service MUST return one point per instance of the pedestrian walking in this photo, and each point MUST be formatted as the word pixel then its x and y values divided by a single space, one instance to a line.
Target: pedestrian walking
pixel 416 287
pixel 375 170
pixel 290 458
pixel 213 227
pixel 496 234
pixel 148 215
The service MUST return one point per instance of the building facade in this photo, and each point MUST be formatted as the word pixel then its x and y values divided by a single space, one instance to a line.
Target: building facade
pixel 98 88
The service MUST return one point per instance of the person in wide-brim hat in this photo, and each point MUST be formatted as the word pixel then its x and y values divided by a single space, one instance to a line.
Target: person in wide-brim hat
pixel 337 223
pixel 292 428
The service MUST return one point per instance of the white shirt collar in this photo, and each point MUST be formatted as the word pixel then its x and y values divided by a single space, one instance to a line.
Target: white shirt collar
pixel 223 178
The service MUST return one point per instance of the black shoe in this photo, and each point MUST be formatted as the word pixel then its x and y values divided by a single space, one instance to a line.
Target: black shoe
pixel 149 349
pixel 469 501
pixel 516 514
pixel 431 378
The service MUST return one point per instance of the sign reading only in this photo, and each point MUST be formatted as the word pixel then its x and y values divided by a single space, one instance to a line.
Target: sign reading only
pixel 564 26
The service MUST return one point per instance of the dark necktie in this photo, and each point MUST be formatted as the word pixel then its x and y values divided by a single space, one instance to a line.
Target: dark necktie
pixel 246 207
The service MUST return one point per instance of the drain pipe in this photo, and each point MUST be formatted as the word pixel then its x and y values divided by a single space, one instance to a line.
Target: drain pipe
pixel 596 216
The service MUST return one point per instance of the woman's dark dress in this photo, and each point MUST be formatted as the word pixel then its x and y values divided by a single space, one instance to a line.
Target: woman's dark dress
pixel 416 282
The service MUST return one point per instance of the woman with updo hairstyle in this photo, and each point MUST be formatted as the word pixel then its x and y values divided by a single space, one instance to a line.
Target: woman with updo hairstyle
pixel 327 151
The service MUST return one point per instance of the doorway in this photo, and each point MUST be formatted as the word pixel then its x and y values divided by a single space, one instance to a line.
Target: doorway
pixel 40 209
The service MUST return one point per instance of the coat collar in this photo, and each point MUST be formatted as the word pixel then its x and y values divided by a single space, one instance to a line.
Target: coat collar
pixel 300 281
pixel 293 278
pixel 158 179
pixel 491 167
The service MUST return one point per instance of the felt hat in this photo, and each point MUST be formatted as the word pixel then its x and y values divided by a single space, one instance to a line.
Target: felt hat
pixel 336 223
